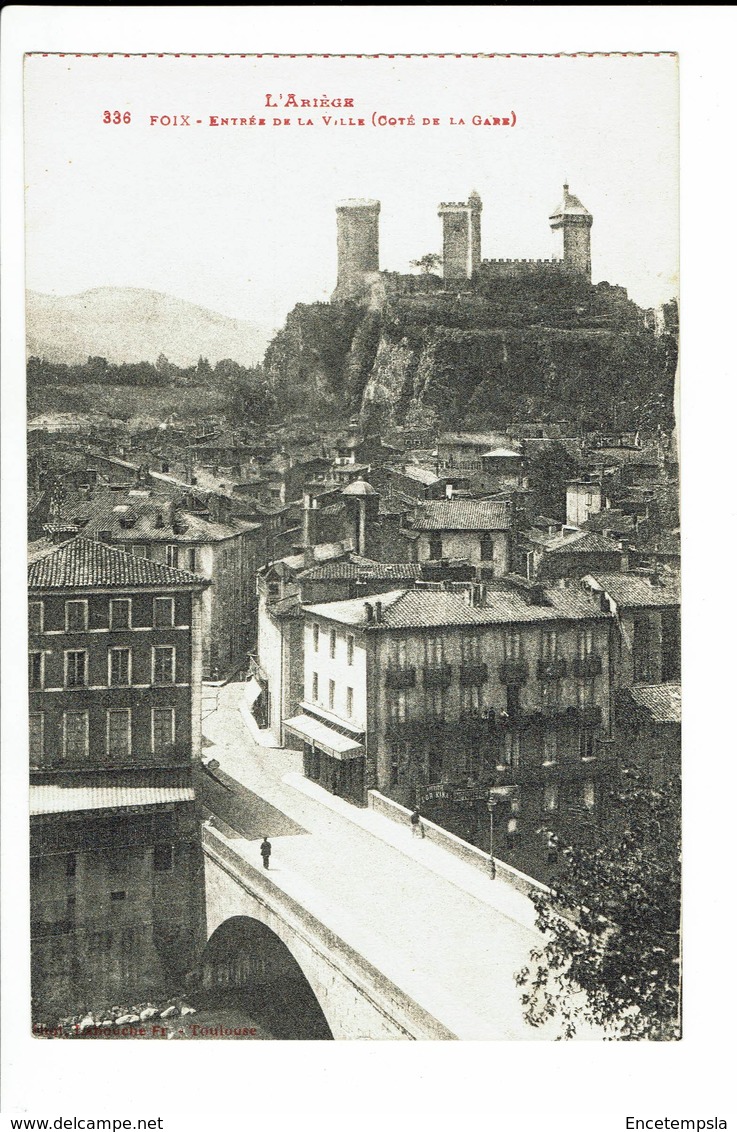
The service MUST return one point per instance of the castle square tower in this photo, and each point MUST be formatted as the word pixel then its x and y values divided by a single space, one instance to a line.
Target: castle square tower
pixel 358 245
pixel 461 237
pixel 574 220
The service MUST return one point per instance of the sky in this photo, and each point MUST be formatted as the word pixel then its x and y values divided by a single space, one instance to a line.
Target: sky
pixel 241 219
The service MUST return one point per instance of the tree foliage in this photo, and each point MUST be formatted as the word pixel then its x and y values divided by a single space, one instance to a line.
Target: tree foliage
pixel 427 263
pixel 612 924
pixel 548 473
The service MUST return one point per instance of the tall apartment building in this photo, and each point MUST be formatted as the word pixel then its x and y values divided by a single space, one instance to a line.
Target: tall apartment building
pixel 115 669
pixel 433 696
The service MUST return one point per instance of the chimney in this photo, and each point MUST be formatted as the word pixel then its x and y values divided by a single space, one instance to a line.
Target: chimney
pixel 369 612
pixel 308 556
pixel 379 612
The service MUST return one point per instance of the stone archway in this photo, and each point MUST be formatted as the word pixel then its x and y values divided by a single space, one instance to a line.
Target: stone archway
pixel 246 963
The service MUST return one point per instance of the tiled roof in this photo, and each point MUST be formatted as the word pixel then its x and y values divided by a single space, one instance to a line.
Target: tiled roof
pixel 60 798
pixel 464 515
pixel 636 591
pixel 101 513
pixel 82 564
pixel 662 701
pixel 428 609
pixel 352 571
pixel 323 552
pixel 475 438
pixel 583 542
pixel 506 453
pixel 415 472
pixel 287 608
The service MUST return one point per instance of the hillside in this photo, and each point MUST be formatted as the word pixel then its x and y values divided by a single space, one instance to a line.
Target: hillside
pixel 486 356
pixel 131 324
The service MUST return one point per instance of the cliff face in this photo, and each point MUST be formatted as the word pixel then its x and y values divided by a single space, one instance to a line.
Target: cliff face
pixel 584 354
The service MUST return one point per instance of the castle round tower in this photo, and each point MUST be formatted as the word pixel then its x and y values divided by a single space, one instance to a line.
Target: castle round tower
pixel 461 236
pixel 574 221
pixel 358 245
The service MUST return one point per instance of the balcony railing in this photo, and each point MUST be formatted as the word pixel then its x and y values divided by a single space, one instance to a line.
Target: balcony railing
pixel 400 676
pixel 513 671
pixel 551 669
pixel 437 675
pixel 587 666
pixel 471 675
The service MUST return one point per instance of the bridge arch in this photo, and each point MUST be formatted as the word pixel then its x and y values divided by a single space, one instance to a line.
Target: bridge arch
pixel 246 961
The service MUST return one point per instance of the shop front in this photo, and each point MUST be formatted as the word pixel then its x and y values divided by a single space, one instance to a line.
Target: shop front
pixel 331 757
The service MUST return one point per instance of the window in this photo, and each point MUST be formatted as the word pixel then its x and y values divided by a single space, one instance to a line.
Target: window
pixel 470 650
pixel 333 639
pixel 172 555
pixel 120 613
pixel 436 547
pixel 163 858
pixel 331 694
pixel 192 559
pixel 75 673
pixel 470 700
pixel 550 748
pixel 585 643
pixel 35 617
pixel 434 766
pixel 119 667
pixel 394 752
pixel 397 708
pixel 587 745
pixel 315 638
pixel 512 645
pixel 514 703
pixel 36 736
pixel 163 612
pixel 315 687
pixel 76 616
pixel 550 644
pixel 435 704
pixel 434 647
pixel 116 897
pixel 350 643
pixel 398 652
pixel 76 735
pixel 511 750
pixel 119 733
pixel 139 550
pixel 550 797
pixel 162 729
pixel 162 665
pixel 585 693
pixel 589 795
pixel 487 548
pixel 71 865
pixel 35 670
pixel 349 702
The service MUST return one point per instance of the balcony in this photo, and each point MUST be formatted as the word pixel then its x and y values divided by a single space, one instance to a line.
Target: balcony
pixel 437 675
pixel 513 671
pixel 471 675
pixel 585 667
pixel 551 669
pixel 400 676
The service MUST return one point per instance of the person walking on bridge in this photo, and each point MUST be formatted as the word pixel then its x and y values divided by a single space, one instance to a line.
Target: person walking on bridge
pixel 265 851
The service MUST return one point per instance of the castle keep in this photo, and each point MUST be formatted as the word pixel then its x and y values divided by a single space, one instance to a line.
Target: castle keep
pixel 358 245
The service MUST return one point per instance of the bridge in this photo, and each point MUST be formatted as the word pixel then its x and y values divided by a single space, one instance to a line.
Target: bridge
pixel 372 933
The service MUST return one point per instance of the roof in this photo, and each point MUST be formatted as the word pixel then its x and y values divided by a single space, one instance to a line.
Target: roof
pixel 415 472
pixel 84 564
pixel 636 591
pixel 353 571
pixel 570 206
pixel 64 797
pixel 475 438
pixel 341 746
pixel 359 487
pixel 463 515
pixel 287 608
pixel 661 701
pixel 507 453
pixel 428 609
pixel 102 512
pixel 583 542
pixel 323 552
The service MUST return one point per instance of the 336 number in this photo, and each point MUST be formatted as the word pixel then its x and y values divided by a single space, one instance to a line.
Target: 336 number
pixel 115 117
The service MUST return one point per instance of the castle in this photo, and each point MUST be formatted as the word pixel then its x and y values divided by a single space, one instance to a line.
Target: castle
pixel 358 245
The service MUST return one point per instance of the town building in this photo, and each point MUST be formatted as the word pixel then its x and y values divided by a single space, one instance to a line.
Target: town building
pixel 434 696
pixel 475 530
pixel 115 668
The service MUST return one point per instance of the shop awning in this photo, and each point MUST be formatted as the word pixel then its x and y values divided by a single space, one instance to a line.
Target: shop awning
pixel 320 735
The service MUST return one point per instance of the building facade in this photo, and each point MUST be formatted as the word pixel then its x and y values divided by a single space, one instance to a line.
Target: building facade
pixel 115 667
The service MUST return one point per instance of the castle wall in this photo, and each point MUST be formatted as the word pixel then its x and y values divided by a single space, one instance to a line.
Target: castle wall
pixel 358 245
